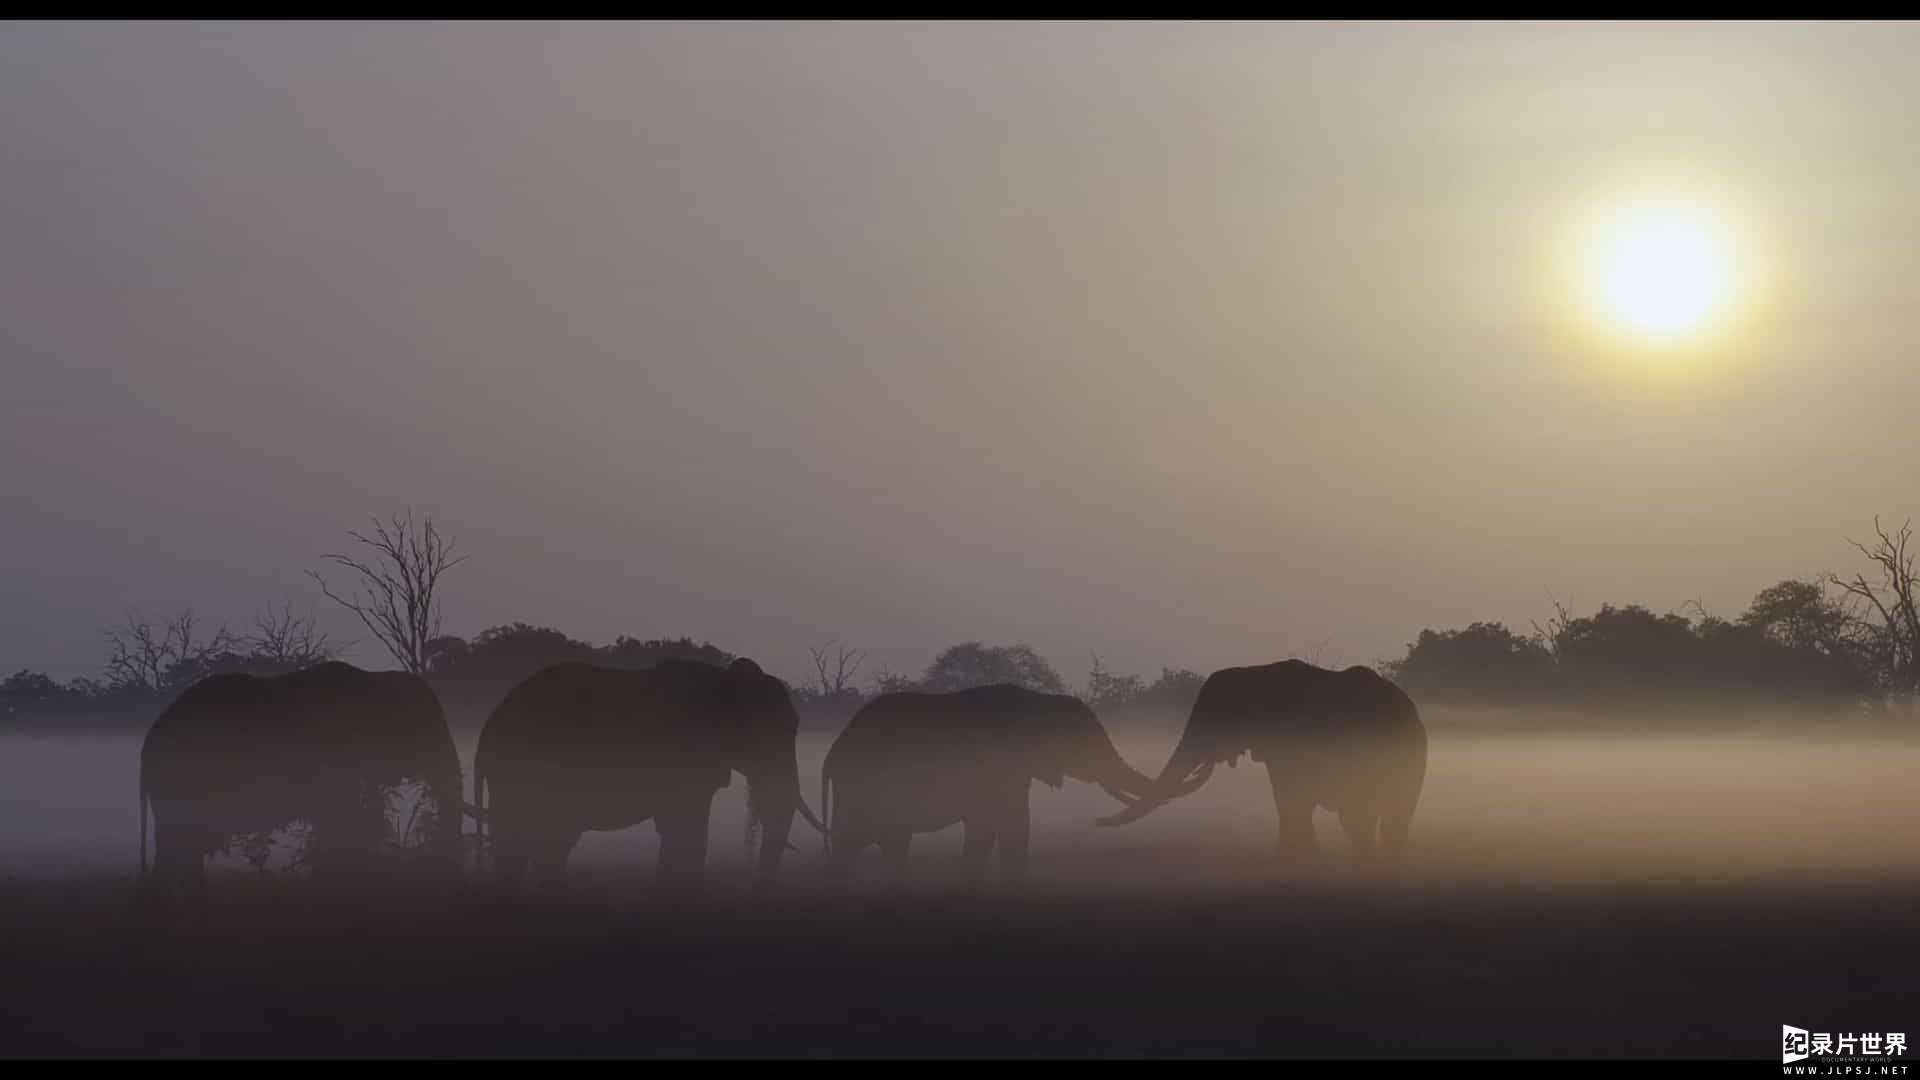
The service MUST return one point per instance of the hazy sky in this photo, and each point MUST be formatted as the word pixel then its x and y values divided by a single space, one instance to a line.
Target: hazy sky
pixel 1191 345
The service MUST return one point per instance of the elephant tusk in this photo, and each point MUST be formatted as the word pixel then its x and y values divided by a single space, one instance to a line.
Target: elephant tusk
pixel 1132 813
pixel 806 812
pixel 474 811
pixel 1147 804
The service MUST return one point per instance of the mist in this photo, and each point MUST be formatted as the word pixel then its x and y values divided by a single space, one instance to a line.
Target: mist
pixel 1500 806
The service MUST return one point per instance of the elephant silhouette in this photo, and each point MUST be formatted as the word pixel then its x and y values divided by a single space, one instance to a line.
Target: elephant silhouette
pixel 918 762
pixel 1349 741
pixel 577 748
pixel 238 754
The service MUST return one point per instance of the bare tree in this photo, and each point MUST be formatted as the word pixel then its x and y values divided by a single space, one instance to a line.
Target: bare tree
pixel 398 580
pixel 288 640
pixel 1313 655
pixel 152 657
pixel 886 682
pixel 834 670
pixel 1107 690
pixel 1554 633
pixel 1887 611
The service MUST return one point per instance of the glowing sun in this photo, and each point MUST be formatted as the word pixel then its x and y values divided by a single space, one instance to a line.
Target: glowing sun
pixel 1661 270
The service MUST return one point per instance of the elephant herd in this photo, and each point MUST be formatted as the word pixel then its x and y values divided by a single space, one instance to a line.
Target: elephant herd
pixel 577 748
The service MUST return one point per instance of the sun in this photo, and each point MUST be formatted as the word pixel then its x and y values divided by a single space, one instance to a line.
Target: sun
pixel 1661 270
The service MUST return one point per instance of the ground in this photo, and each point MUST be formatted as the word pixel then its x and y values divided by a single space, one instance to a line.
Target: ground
pixel 1292 969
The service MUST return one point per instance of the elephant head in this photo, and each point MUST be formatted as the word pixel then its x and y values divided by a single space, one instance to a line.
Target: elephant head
pixel 1218 729
pixel 1068 740
pixel 765 725
pixel 1274 710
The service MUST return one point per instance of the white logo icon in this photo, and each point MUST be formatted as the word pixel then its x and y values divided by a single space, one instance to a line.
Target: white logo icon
pixel 1793 1044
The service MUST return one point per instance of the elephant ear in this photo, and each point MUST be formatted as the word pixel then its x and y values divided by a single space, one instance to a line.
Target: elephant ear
pixel 1049 752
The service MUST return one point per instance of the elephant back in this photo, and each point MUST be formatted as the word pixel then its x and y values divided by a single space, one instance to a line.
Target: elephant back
pixel 581 719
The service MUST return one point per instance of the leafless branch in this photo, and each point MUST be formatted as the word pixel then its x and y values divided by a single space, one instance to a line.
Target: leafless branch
pixel 1549 635
pixel 397 582
pixel 834 671
pixel 290 640
pixel 1886 612
pixel 153 657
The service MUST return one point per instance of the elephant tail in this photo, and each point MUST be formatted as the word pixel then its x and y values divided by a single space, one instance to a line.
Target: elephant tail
pixel 480 812
pixel 826 810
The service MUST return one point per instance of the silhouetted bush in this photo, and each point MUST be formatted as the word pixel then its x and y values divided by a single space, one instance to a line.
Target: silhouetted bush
pixel 1486 661
pixel 471 677
pixel 971 664
pixel 1793 645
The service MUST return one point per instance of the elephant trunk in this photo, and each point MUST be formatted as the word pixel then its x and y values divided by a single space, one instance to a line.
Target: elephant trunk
pixel 1117 778
pixel 1185 772
pixel 449 805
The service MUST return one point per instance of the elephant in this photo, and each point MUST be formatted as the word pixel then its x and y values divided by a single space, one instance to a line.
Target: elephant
pixel 237 754
pixel 1349 741
pixel 918 762
pixel 577 748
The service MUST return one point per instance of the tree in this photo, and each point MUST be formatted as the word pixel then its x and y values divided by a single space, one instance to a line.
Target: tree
pixel 282 641
pixel 633 654
pixel 1486 660
pixel 33 693
pixel 973 664
pixel 398 584
pixel 1886 611
pixel 446 652
pixel 1628 647
pixel 1799 615
pixel 887 681
pixel 150 658
pixel 1176 688
pixel 834 667
pixel 1105 690
pixel 499 657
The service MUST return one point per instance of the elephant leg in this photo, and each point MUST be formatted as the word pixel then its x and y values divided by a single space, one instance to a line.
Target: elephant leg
pixel 1393 831
pixel 1015 836
pixel 548 868
pixel 1296 817
pixel 509 867
pixel 510 849
pixel 339 843
pixel 1359 825
pixel 978 845
pixel 847 842
pixel 177 865
pixel 893 850
pixel 509 858
pixel 683 845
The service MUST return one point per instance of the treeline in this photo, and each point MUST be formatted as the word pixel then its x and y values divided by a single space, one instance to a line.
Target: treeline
pixel 1795 644
pixel 1847 640
pixel 833 693
pixel 472 675
pixel 149 663
pixel 1831 640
